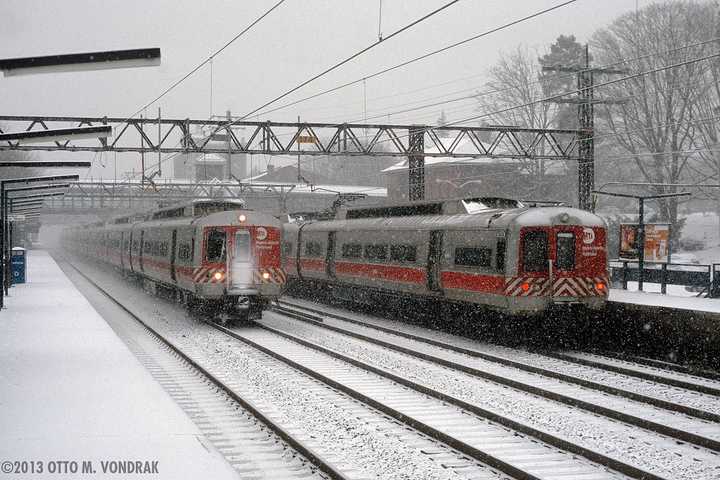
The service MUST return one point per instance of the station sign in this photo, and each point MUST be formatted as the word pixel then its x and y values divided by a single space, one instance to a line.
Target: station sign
pixel 307 139
pixel 657 242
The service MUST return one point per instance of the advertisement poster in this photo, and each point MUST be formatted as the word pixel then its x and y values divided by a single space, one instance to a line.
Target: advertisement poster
pixel 628 241
pixel 657 242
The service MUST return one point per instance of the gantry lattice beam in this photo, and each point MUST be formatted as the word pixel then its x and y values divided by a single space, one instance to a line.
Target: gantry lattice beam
pixel 185 136
pixel 173 190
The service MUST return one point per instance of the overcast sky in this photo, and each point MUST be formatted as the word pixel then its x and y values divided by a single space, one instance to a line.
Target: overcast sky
pixel 293 43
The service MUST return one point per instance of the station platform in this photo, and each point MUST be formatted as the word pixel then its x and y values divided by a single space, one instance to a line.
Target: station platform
pixel 679 302
pixel 73 392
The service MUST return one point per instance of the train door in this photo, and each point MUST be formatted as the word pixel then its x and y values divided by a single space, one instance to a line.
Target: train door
pixel 142 250
pixel 434 258
pixel 330 256
pixel 241 267
pixel 130 255
pixel 173 256
pixel 121 250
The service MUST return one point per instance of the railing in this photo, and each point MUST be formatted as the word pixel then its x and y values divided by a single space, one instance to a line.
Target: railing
pixel 706 277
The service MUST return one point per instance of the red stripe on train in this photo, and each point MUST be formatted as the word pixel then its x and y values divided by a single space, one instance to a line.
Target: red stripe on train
pixel 472 281
pixel 384 272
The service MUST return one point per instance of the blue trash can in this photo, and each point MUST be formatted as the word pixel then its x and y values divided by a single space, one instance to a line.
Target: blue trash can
pixel 18 262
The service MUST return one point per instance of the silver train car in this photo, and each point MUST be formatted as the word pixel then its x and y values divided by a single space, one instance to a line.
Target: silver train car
pixel 492 252
pixel 212 253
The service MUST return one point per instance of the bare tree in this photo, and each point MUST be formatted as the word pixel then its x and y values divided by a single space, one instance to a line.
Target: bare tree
pixel 516 80
pixel 704 166
pixel 654 128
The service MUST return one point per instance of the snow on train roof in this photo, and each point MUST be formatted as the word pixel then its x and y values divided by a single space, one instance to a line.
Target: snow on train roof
pixel 465 145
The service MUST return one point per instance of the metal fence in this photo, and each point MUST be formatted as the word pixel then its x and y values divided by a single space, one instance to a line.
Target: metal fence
pixel 704 277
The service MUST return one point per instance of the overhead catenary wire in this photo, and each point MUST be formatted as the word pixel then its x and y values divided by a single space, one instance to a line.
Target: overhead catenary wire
pixel 655 70
pixel 337 65
pixel 545 78
pixel 352 57
pixel 421 57
pixel 208 59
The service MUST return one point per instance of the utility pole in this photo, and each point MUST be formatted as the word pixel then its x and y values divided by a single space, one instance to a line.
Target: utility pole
pixel 586 119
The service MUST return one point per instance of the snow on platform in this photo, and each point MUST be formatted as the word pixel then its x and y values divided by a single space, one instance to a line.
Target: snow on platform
pixel 70 390
pixel 708 305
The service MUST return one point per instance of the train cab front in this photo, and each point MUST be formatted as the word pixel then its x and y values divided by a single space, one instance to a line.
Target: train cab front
pixel 561 266
pixel 247 264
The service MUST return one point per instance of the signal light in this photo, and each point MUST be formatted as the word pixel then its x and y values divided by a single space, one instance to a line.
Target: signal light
pixel 242 218
pixel 218 275
pixel 600 286
pixel 266 275
pixel 525 287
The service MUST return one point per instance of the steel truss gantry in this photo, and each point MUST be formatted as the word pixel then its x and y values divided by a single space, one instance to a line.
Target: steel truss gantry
pixel 415 142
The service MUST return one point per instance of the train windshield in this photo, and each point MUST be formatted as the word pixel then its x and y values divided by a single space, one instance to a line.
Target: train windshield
pixel 535 251
pixel 565 253
pixel 215 251
pixel 242 246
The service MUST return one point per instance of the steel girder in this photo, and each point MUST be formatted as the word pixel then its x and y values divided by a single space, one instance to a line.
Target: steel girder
pixel 283 138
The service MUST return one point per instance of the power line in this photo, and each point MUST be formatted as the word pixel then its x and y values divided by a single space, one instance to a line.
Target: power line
pixel 209 59
pixel 421 57
pixel 543 79
pixel 351 57
pixel 608 82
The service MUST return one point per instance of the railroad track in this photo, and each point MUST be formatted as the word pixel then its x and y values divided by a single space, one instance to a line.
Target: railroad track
pixel 250 441
pixel 478 434
pixel 707 386
pixel 447 459
pixel 472 441
pixel 670 424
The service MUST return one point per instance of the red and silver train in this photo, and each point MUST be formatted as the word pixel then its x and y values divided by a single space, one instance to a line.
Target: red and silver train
pixel 494 252
pixel 211 253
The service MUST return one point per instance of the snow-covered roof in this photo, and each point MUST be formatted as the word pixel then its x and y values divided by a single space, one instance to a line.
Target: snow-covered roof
pixel 465 145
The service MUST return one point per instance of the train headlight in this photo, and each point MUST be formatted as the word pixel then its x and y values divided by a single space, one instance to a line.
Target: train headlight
pixel 218 276
pixel 564 218
pixel 600 286
pixel 525 287
pixel 266 275
pixel 242 218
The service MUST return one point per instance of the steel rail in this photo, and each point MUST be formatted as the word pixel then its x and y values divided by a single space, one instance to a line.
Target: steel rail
pixel 568 400
pixel 656 402
pixel 304 450
pixel 424 428
pixel 651 362
pixel 636 373
pixel 596 457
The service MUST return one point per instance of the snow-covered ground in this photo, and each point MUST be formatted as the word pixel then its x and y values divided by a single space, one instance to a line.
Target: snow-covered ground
pixel 72 391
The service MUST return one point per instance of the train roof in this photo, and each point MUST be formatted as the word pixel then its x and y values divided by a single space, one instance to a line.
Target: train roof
pixel 480 212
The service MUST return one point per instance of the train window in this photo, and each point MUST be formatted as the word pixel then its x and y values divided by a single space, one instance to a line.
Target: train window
pixel 565 253
pixel 313 249
pixel 242 246
pixel 473 256
pixel 376 252
pixel 403 253
pixel 163 249
pixel 500 255
pixel 148 247
pixel 183 251
pixel 215 246
pixel 352 250
pixel 192 249
pixel 535 251
pixel 287 248
pixel 135 245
